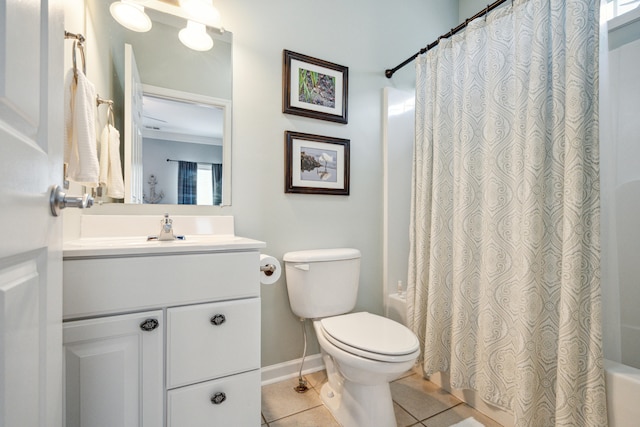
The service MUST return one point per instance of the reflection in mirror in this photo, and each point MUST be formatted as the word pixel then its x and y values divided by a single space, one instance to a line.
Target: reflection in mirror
pixel 170 76
pixel 182 142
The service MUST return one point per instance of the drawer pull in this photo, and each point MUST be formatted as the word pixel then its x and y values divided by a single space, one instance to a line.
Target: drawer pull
pixel 218 398
pixel 149 325
pixel 218 319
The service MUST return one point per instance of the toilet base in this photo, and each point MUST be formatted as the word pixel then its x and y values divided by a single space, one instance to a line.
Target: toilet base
pixel 360 405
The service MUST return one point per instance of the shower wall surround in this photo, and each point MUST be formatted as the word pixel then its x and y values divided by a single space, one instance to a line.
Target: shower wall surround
pixel 623 174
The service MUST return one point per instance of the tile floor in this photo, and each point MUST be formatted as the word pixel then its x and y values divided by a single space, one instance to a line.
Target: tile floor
pixel 417 402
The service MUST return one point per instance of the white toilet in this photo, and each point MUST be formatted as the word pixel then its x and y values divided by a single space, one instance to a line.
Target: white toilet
pixel 362 352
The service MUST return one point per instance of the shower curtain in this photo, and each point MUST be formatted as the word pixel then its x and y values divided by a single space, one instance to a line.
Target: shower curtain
pixel 504 274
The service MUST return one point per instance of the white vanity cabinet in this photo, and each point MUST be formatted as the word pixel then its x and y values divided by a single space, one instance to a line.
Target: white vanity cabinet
pixel 113 369
pixel 167 338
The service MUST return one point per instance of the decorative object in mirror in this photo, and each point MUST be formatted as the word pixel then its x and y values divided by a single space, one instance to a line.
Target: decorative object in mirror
pixel 316 164
pixel 154 197
pixel 174 81
pixel 314 88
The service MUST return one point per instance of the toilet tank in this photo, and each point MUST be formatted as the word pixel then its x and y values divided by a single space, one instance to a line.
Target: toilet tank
pixel 322 282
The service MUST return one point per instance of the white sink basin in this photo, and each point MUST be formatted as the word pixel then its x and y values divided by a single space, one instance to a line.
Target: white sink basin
pixel 138 245
pixel 98 239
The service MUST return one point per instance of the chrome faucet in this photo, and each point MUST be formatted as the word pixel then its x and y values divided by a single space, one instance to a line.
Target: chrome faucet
pixel 166 232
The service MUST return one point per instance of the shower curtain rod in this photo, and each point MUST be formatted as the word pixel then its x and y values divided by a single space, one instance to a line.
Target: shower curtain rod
pixel 200 163
pixel 389 73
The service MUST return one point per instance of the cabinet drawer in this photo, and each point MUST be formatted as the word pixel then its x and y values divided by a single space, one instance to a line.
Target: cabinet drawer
pixel 198 349
pixel 192 406
pixel 115 285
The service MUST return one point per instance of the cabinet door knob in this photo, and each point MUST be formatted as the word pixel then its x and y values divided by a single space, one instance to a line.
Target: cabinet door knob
pixel 218 398
pixel 149 325
pixel 218 319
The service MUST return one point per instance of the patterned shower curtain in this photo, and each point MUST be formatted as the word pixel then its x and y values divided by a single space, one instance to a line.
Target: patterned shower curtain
pixel 504 274
pixel 187 183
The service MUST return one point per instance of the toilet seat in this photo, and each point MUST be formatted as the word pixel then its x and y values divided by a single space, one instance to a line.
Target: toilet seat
pixel 371 336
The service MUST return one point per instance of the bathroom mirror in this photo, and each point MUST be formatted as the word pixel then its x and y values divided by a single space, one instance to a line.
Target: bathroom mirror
pixel 180 109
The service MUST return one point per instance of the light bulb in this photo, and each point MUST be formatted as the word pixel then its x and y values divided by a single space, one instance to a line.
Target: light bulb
pixel 130 15
pixel 194 36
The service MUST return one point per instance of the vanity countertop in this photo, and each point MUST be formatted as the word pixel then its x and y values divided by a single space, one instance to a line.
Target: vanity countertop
pixel 126 235
pixel 138 245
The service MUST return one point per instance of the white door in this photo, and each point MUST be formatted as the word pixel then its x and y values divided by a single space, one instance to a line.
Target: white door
pixel 113 369
pixel 132 129
pixel 31 132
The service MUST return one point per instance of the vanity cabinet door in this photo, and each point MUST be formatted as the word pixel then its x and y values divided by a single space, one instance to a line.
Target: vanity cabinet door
pixel 113 370
pixel 207 341
pixel 230 401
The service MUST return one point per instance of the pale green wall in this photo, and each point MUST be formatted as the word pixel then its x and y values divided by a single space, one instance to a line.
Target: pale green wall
pixel 468 8
pixel 368 37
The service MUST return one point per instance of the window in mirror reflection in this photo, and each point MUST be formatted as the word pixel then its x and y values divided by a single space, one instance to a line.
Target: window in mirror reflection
pixel 205 186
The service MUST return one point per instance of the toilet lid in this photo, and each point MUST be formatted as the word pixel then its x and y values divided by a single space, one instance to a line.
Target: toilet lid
pixel 371 336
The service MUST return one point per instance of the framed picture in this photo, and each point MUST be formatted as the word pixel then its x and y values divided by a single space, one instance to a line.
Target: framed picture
pixel 314 88
pixel 316 164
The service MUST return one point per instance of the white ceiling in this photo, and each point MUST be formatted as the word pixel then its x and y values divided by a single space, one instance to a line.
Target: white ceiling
pixel 163 115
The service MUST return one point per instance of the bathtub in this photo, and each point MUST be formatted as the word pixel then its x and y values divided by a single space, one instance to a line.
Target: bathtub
pixel 623 394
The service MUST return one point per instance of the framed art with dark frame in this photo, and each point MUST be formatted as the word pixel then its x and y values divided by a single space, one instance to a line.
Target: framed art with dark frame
pixel 314 88
pixel 316 164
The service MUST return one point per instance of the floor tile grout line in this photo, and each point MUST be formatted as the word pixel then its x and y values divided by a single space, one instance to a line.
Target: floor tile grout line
pixel 295 413
pixel 407 411
pixel 441 412
pixel 317 387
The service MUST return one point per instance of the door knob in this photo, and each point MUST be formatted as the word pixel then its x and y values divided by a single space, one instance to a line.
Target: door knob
pixel 59 200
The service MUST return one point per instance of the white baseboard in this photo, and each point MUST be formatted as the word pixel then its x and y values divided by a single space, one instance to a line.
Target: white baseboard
pixel 283 371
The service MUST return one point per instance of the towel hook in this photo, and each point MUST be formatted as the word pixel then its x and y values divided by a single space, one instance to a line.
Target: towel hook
pixel 110 116
pixel 100 101
pixel 109 102
pixel 78 43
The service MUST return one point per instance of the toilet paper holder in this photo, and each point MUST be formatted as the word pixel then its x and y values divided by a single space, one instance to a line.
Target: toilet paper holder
pixel 268 269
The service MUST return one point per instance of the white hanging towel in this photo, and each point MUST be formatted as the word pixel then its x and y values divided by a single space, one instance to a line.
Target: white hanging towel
pixel 80 150
pixel 110 166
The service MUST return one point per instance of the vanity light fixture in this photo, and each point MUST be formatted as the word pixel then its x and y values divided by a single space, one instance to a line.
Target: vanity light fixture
pixel 130 15
pixel 203 11
pixel 194 36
